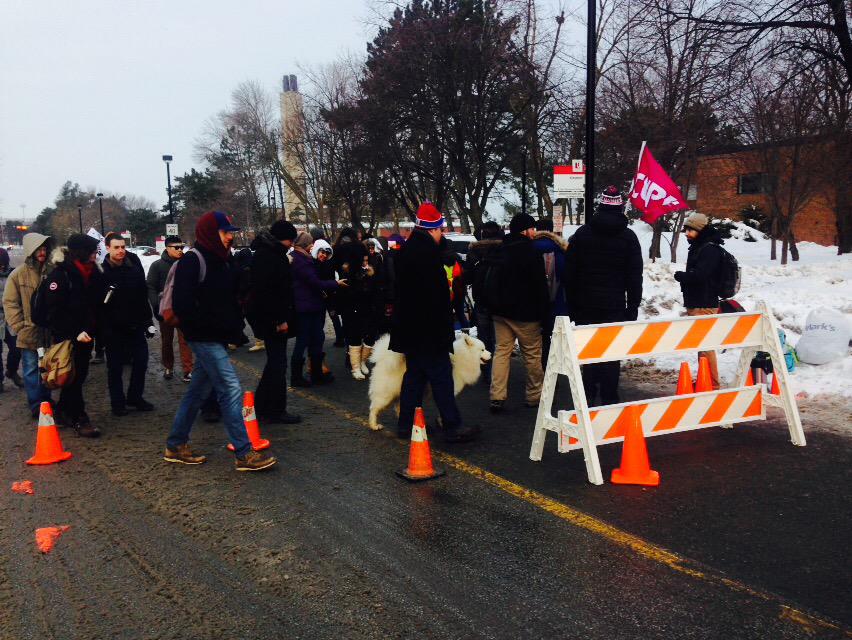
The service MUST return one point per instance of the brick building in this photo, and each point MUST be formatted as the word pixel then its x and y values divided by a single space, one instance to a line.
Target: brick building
pixel 729 180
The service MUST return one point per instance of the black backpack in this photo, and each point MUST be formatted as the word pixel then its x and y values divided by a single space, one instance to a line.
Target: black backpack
pixel 490 279
pixel 730 275
pixel 38 305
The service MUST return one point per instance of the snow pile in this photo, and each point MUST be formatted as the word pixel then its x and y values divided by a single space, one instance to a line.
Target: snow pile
pixel 147 261
pixel 820 278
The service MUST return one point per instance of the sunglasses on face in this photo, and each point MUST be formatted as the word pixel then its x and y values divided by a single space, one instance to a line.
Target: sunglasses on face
pixel 179 247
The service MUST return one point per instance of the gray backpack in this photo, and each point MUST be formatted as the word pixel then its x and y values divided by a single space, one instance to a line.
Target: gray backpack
pixel 167 312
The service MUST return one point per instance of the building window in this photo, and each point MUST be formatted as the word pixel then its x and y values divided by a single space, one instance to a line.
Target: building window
pixel 753 184
pixel 692 192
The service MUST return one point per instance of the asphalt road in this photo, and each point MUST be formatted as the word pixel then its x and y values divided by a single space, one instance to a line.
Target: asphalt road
pixel 746 537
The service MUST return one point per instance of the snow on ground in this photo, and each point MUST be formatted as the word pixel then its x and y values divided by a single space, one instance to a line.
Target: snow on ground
pixel 820 278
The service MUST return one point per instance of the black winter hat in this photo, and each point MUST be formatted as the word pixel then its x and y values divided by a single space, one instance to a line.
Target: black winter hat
pixel 521 222
pixel 81 245
pixel 283 230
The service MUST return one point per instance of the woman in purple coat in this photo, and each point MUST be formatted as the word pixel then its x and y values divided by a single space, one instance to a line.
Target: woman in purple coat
pixel 309 292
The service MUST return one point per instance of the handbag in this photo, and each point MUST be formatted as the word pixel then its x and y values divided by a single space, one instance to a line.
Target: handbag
pixel 57 365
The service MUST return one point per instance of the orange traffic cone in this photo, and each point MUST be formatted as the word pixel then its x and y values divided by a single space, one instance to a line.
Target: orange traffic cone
pixel 749 378
pixel 635 467
pixel 703 381
pixel 48 445
pixel 419 457
pixel 252 427
pixel 684 381
pixel 776 388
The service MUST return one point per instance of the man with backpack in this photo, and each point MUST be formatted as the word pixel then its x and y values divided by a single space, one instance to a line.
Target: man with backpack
pixel 701 283
pixel 204 301
pixel 490 238
pixel 551 248
pixel 156 282
pixel 516 294
pixel 17 299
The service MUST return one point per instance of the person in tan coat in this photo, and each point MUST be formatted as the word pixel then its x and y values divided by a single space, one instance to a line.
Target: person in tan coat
pixel 20 287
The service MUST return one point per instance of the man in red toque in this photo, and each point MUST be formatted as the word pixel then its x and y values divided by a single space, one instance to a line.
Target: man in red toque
pixel 422 327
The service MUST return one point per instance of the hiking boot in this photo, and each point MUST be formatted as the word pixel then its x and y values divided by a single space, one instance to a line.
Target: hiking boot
pixel 85 429
pixel 465 434
pixel 254 461
pixel 183 454
pixel 16 379
pixel 141 404
pixel 496 406
pixel 186 378
pixel 168 374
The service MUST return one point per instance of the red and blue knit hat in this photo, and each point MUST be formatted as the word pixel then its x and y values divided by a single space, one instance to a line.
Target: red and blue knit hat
pixel 429 217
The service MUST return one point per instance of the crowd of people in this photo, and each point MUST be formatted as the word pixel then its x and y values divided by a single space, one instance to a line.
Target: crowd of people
pixel 287 284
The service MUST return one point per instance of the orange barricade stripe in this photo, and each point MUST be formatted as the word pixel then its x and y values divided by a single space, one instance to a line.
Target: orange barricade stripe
pixel 696 333
pixel 741 329
pixel 619 427
pixel 573 420
pixel 719 407
pixel 600 342
pixel 671 418
pixel 650 337
pixel 755 406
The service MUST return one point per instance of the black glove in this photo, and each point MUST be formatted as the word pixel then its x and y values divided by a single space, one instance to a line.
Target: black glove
pixel 679 275
pixel 631 313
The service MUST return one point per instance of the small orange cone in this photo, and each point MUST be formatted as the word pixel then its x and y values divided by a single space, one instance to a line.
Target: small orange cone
pixel 635 467
pixel 46 537
pixel 252 427
pixel 419 457
pixel 749 378
pixel 776 389
pixel 23 486
pixel 48 445
pixel 684 381
pixel 703 381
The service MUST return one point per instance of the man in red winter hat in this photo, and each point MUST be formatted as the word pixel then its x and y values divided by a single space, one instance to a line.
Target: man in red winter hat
pixel 422 326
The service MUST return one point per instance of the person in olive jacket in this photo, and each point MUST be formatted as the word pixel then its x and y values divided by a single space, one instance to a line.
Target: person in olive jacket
pixel 74 302
pixel 127 318
pixel 422 327
pixel 603 283
pixel 271 314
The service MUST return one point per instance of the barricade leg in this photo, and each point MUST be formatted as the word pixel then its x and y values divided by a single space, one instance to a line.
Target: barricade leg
pixel 590 451
pixel 743 367
pixel 548 391
pixel 779 368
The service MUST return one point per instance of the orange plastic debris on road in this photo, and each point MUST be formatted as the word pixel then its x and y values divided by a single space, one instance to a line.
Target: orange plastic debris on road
pixel 23 486
pixel 252 427
pixel 684 381
pixel 635 467
pixel 46 537
pixel 48 445
pixel 419 456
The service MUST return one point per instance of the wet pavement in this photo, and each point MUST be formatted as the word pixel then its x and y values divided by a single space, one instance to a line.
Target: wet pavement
pixel 746 537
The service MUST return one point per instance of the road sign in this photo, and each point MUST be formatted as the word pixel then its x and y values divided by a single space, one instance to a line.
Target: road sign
pixel 570 181
pixel 171 230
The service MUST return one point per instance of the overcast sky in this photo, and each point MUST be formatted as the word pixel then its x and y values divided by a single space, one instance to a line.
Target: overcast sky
pixel 96 91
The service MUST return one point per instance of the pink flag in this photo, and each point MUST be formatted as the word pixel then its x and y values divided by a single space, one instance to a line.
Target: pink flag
pixel 653 192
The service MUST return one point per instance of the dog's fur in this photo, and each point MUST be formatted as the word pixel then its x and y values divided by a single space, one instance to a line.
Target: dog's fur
pixel 469 354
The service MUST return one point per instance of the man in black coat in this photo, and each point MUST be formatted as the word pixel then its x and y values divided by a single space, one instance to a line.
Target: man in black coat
pixel 127 317
pixel 519 314
pixel 422 327
pixel 271 314
pixel 700 282
pixel 603 283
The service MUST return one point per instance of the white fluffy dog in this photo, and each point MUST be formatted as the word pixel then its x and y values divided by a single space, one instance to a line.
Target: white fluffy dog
pixel 469 354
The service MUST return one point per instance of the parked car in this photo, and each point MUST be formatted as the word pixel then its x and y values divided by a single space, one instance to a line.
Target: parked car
pixel 459 242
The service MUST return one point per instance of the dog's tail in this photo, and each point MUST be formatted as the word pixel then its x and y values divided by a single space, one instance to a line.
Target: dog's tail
pixel 379 349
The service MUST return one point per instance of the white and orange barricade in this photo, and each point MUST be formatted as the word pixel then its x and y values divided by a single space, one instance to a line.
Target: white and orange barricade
pixel 584 428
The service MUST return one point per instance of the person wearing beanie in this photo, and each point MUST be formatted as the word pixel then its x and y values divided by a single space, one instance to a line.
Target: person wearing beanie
pixel 699 283
pixel 272 316
pixel 74 301
pixel 519 312
pixel 309 293
pixel 603 283
pixel 210 316
pixel 422 327
pixel 551 247
pixel 27 336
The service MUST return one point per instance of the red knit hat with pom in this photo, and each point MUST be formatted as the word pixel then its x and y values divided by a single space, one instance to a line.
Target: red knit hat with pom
pixel 429 217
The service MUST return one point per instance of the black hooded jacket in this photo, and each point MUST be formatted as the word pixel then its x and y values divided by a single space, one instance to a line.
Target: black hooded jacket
pixel 700 282
pixel 72 305
pixel 603 269
pixel 270 298
pixel 524 282
pixel 128 308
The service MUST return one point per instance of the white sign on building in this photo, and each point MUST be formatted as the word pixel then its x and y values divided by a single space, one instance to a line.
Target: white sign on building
pixel 569 181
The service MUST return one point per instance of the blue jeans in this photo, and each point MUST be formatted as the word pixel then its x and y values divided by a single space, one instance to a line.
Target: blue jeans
pixel 213 370
pixel 437 370
pixel 36 391
pixel 311 335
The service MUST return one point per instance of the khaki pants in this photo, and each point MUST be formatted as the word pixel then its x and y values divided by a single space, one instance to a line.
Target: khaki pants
pixel 710 355
pixel 528 335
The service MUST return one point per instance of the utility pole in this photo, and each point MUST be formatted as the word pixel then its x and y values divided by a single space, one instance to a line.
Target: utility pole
pixel 167 159
pixel 591 72
pixel 101 206
pixel 80 215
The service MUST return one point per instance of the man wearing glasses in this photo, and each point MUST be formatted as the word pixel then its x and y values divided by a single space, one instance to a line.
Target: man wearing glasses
pixel 156 280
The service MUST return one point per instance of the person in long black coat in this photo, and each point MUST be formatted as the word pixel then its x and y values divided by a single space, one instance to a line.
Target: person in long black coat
pixel 603 283
pixel 422 327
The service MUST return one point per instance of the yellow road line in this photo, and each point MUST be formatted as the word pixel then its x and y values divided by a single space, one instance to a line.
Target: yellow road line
pixel 644 548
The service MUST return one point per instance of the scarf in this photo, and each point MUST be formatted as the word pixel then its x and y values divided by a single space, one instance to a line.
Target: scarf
pixel 85 269
pixel 207 236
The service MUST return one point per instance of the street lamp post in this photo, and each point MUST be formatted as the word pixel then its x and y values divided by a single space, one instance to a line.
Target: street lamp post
pixel 591 68
pixel 101 206
pixel 167 159
pixel 80 215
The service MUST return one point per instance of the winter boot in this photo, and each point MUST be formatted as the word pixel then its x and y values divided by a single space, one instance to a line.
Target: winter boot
pixel 318 371
pixel 296 379
pixel 365 356
pixel 355 362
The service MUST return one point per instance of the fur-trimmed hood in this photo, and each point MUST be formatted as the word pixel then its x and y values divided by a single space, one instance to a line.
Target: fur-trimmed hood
pixel 59 254
pixel 559 241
